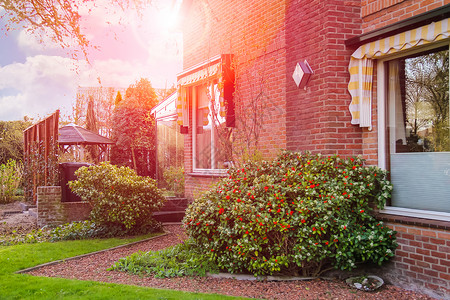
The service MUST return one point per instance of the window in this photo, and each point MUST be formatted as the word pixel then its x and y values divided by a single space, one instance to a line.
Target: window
pixel 170 144
pixel 418 135
pixel 210 134
pixel 205 109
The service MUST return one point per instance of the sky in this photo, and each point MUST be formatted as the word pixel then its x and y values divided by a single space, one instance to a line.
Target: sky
pixel 37 78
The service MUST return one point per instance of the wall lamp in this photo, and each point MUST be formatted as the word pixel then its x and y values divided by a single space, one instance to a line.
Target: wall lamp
pixel 302 74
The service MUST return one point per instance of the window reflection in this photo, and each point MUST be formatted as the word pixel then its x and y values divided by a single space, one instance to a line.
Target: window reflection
pixel 419 97
pixel 212 136
pixel 170 145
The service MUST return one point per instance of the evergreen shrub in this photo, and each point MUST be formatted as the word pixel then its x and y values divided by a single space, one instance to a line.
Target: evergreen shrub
pixel 119 197
pixel 299 215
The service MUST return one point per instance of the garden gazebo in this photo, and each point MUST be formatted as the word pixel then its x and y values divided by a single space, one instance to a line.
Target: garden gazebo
pixel 73 135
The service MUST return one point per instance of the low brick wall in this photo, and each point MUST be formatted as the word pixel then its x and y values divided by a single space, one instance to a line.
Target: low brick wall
pixel 77 211
pixel 51 211
pixel 422 258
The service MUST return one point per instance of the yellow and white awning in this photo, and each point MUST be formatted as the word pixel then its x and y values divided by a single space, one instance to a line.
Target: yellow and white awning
pixel 361 64
pixel 205 73
pixel 219 70
pixel 202 74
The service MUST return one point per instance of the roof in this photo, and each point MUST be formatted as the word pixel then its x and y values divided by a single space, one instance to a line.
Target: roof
pixel 166 108
pixel 76 135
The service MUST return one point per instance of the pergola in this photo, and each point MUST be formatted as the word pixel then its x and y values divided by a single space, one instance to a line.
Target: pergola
pixel 43 142
pixel 71 135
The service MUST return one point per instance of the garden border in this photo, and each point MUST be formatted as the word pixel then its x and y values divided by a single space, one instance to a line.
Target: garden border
pixel 87 254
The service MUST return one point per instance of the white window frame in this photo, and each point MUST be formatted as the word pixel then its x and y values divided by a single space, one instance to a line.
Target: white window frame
pixel 382 147
pixel 199 171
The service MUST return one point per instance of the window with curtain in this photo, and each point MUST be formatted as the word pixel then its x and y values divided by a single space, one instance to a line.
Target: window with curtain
pixel 418 130
pixel 210 134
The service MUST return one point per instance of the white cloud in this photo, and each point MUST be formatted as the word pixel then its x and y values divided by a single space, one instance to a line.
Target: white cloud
pixel 9 104
pixel 46 81
pixel 36 42
pixel 43 83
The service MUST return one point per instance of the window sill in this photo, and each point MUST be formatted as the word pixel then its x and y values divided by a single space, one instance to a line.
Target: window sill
pixel 209 173
pixel 417 217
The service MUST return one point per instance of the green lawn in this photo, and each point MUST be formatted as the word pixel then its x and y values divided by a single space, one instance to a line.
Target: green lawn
pixel 23 286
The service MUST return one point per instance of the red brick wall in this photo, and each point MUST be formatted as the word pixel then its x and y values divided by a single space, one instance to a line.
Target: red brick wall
pixel 422 259
pixel 268 38
pixel 380 13
pixel 244 28
pixel 51 211
pixel 76 211
pixel 195 185
pixel 254 33
pixel 49 207
pixel 318 118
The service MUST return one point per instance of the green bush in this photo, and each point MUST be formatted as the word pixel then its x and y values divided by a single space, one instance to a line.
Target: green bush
pixel 299 214
pixel 179 260
pixel 10 178
pixel 119 197
pixel 174 176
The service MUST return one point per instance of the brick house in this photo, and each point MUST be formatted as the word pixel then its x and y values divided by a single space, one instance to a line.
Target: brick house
pixel 379 89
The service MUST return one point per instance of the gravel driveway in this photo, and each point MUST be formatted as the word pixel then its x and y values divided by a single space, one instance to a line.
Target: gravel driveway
pixel 93 267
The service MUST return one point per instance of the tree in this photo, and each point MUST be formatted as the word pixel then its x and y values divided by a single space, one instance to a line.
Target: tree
pixel 427 98
pixel 91 125
pixel 141 94
pixel 103 104
pixel 11 140
pixel 118 98
pixel 134 130
pixel 164 93
pixel 59 19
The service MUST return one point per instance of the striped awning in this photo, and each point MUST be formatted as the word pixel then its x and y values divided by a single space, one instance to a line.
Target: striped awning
pixel 219 70
pixel 361 64
pixel 202 74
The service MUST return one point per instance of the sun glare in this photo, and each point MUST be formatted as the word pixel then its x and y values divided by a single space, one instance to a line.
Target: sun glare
pixel 168 15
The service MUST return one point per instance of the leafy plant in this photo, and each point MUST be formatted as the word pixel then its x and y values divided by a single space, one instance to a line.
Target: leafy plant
pixel 180 260
pixel 72 231
pixel 10 179
pixel 119 197
pixel 11 140
pixel 174 176
pixel 41 166
pixel 299 214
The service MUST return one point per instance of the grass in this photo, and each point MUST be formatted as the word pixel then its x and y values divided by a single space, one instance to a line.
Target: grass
pixel 23 286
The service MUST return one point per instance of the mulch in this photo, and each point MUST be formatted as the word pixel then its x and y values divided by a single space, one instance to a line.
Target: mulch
pixel 94 267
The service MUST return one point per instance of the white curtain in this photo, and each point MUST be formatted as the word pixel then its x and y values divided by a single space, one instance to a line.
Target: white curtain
pixel 397 120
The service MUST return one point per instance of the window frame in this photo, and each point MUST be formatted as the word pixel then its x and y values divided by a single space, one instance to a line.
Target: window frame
pixel 383 143
pixel 194 105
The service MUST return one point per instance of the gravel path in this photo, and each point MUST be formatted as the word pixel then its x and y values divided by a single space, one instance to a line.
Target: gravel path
pixel 93 267
pixel 15 222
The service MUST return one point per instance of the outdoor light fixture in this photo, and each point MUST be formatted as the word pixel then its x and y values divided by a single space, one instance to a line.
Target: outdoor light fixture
pixel 302 74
